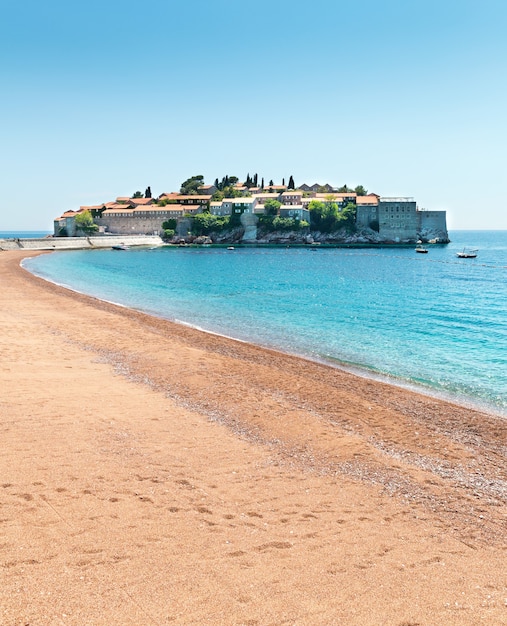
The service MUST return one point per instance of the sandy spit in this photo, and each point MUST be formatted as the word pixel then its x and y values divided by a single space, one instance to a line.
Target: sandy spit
pixel 154 474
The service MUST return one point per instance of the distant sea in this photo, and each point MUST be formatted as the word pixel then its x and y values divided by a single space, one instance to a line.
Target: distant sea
pixel 23 234
pixel 430 321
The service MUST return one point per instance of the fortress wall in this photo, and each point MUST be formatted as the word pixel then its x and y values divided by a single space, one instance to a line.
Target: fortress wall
pixel 126 225
pixel 78 243
pixel 432 220
pixel 398 219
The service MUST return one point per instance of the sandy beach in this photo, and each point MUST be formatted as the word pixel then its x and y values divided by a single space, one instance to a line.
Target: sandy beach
pixel 154 474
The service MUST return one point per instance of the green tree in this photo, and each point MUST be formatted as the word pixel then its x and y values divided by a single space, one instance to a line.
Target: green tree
pixel 137 194
pixel 324 216
pixel 170 224
pixel 361 191
pixel 272 207
pixel 205 223
pixel 84 222
pixel 190 186
pixel 291 183
pixel 344 189
pixel 347 216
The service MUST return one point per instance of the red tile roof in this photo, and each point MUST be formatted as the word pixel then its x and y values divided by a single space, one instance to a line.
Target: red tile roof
pixel 171 194
pixel 141 201
pixel 370 199
pixel 192 197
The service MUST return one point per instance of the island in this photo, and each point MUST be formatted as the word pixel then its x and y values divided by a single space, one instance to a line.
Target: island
pixel 230 211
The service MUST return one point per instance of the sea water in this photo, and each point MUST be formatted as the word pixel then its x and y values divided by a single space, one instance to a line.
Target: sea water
pixel 23 234
pixel 430 320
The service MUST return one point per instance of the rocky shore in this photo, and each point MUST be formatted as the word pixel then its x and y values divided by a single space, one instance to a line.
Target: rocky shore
pixel 343 237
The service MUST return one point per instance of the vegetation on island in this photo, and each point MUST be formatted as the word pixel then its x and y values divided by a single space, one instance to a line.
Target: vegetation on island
pixel 84 222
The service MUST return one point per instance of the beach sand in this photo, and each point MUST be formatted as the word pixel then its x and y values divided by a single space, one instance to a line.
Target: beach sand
pixel 154 474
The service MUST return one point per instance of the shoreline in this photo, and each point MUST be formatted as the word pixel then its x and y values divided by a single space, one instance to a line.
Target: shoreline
pixel 361 371
pixel 154 473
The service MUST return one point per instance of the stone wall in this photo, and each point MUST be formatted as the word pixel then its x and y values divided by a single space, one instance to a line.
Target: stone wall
pixel 133 225
pixel 78 243
pixel 398 219
pixel 432 225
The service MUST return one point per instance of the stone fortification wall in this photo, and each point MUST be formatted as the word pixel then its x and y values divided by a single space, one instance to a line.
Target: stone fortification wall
pixel 133 225
pixel 69 243
pixel 397 219
pixel 432 225
pixel 432 220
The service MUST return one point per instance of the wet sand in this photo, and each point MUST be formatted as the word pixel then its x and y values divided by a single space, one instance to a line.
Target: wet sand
pixel 154 474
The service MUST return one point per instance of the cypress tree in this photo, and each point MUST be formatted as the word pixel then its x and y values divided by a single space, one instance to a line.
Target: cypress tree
pixel 262 183
pixel 291 183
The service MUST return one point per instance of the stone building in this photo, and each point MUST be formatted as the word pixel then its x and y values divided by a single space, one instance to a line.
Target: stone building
pixel 142 220
pixel 397 218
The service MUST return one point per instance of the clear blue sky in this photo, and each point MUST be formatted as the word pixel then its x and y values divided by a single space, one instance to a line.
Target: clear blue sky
pixel 103 98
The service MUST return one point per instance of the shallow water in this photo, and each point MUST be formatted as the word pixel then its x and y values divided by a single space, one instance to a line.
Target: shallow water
pixel 433 320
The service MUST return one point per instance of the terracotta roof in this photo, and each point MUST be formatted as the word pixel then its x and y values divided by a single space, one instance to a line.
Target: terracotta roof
pixel 292 192
pixel 119 208
pixel 141 201
pixel 159 209
pixel 192 196
pixel 170 195
pixel 69 213
pixel 91 207
pixel 123 199
pixel 370 199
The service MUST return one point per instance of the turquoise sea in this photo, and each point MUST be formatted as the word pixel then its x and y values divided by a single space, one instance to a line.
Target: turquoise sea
pixel 432 321
pixel 23 234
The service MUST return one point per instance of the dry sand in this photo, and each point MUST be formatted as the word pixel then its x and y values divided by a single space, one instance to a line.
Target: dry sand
pixel 153 474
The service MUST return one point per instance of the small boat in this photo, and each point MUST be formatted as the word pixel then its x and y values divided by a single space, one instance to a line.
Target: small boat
pixel 120 246
pixel 230 247
pixel 421 250
pixel 467 254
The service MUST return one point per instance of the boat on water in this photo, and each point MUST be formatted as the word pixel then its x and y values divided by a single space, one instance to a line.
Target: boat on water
pixel 467 254
pixel 421 250
pixel 230 247
pixel 120 246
